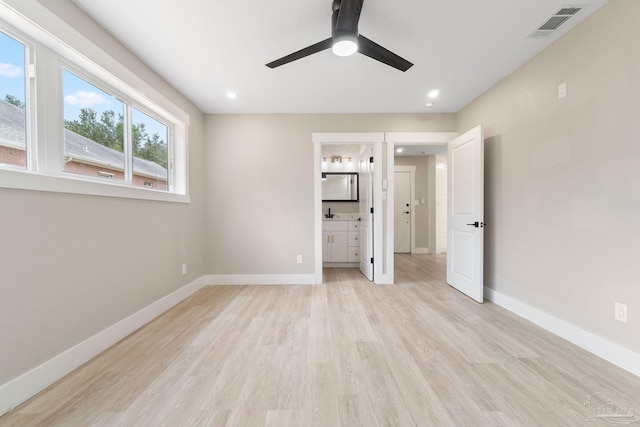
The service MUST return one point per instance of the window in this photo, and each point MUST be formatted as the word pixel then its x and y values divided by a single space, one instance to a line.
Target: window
pixel 13 134
pixel 98 138
pixel 150 151
pixel 93 130
pixel 69 125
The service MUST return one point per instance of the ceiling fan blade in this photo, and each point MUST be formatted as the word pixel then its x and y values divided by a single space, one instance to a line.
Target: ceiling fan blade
pixel 348 16
pixel 377 52
pixel 309 50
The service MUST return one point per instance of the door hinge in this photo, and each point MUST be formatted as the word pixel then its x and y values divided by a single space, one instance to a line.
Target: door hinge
pixel 371 260
pixel 371 210
pixel 370 159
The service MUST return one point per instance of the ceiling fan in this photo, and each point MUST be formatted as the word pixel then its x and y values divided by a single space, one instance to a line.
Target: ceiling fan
pixel 345 40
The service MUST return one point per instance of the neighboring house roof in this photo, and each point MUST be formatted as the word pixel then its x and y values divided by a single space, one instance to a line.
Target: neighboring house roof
pixel 11 125
pixel 77 147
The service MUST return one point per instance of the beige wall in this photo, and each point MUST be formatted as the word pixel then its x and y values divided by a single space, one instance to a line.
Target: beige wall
pixel 73 265
pixel 260 204
pixel 563 176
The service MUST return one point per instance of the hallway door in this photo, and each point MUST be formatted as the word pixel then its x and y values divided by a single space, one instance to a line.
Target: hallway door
pixel 402 212
pixel 465 224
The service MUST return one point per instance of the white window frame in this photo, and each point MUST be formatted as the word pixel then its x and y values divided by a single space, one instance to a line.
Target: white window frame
pixel 29 98
pixel 44 123
pixel 170 144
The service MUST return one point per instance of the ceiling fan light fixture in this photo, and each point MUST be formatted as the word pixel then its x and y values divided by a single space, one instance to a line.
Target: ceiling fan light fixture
pixel 345 45
pixel 345 39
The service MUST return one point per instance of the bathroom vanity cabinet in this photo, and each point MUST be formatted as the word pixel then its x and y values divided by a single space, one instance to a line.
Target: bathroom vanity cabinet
pixel 340 241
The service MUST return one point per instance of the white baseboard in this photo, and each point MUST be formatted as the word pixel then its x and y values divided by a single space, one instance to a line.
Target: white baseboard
pixel 420 251
pixel 260 279
pixel 341 264
pixel 30 383
pixel 611 352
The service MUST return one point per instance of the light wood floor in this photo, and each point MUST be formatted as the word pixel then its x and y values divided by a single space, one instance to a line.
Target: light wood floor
pixel 347 353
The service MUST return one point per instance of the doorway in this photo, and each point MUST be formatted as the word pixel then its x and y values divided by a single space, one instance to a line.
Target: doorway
pixel 465 201
pixel 374 140
pixel 423 196
pixel 347 207
pixel 426 154
pixel 383 189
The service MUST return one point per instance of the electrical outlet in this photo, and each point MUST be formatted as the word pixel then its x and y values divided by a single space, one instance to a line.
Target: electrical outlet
pixel 184 268
pixel 299 259
pixel 620 313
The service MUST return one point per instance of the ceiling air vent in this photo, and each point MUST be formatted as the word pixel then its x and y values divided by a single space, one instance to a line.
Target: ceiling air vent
pixel 553 23
pixel 569 11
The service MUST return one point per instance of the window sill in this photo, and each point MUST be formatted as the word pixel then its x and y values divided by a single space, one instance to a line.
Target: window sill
pixel 25 180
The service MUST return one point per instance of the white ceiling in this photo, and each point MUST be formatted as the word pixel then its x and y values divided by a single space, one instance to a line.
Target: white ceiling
pixel 206 48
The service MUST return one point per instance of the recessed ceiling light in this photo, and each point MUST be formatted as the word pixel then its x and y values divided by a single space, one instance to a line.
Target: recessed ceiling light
pixel 399 150
pixel 232 95
pixel 434 94
pixel 428 104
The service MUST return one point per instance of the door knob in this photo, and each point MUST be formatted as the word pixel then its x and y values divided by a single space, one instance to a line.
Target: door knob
pixel 477 224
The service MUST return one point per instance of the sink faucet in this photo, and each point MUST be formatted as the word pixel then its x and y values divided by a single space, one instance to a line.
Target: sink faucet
pixel 329 214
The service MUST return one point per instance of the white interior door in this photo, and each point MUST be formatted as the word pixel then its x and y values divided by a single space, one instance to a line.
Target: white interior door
pixel 365 181
pixel 402 212
pixel 465 226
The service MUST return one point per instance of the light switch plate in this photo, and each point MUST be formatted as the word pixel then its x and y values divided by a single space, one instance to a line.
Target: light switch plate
pixel 620 313
pixel 562 90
